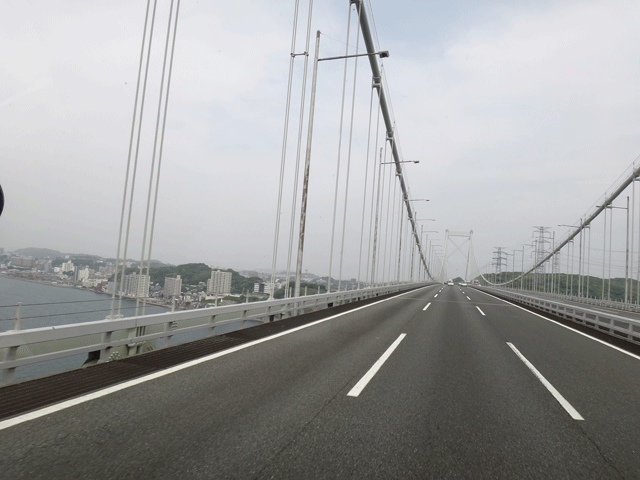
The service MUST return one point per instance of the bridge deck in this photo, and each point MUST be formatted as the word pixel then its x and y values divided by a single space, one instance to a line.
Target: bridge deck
pixel 23 397
pixel 453 400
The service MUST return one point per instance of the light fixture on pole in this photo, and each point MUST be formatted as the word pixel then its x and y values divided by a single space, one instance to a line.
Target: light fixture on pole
pixel 402 161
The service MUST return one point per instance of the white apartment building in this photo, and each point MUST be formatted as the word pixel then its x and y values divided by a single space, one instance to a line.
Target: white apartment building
pixel 136 285
pixel 83 275
pixel 172 286
pixel 219 283
pixel 67 267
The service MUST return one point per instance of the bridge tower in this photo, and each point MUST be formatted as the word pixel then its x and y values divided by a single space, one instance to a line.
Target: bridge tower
pixel 449 240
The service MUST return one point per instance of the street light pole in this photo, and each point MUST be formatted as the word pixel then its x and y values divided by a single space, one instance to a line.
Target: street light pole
pixel 626 263
pixel 305 184
pixel 307 163
pixel 426 241
pixel 522 279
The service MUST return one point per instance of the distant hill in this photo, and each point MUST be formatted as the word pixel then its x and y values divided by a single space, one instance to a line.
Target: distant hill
pixel 154 263
pixel 77 258
pixel 38 252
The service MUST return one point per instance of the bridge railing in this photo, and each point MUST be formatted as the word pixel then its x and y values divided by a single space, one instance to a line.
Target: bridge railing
pixel 596 302
pixel 114 338
pixel 606 322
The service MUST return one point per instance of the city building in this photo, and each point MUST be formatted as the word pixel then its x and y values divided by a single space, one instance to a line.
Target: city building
pixel 22 262
pixel 108 269
pixel 83 274
pixel 136 285
pixel 43 266
pixel 262 288
pixel 67 267
pixel 172 286
pixel 219 283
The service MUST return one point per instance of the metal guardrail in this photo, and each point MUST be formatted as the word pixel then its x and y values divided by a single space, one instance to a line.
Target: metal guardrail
pixel 612 324
pixel 597 302
pixel 106 340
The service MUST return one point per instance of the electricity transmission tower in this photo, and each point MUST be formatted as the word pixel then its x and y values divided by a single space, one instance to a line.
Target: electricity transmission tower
pixel 499 259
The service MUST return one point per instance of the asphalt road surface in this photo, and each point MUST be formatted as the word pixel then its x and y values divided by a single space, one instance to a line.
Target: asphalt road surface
pixel 440 382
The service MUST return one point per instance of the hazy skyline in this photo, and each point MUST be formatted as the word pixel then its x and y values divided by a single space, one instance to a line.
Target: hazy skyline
pixel 520 113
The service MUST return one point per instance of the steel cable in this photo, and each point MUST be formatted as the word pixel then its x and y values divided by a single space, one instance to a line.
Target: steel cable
pixel 284 148
pixel 335 200
pixel 126 182
pixel 298 148
pixel 153 165
pixel 135 162
pixel 379 214
pixel 392 202
pixel 364 196
pixel 375 194
pixel 346 190
pixel 164 123
pixel 386 228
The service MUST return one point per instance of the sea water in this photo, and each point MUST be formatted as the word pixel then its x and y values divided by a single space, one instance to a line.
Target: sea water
pixel 45 305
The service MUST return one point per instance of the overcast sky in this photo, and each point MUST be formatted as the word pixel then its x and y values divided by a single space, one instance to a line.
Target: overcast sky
pixel 520 113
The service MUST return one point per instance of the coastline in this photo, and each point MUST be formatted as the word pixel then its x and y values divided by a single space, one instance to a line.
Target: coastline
pixel 51 284
pixel 43 282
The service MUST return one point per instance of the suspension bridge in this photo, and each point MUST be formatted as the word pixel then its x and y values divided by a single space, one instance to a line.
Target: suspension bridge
pixel 527 368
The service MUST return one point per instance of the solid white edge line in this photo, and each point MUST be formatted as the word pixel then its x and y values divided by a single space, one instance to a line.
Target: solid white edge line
pixel 131 383
pixel 426 306
pixel 561 400
pixel 357 389
pixel 565 326
pixel 480 311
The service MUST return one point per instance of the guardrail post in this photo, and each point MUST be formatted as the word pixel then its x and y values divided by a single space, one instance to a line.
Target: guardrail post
pixel 9 374
pixel 106 351
pixel 212 323
pixel 166 340
pixel 16 325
